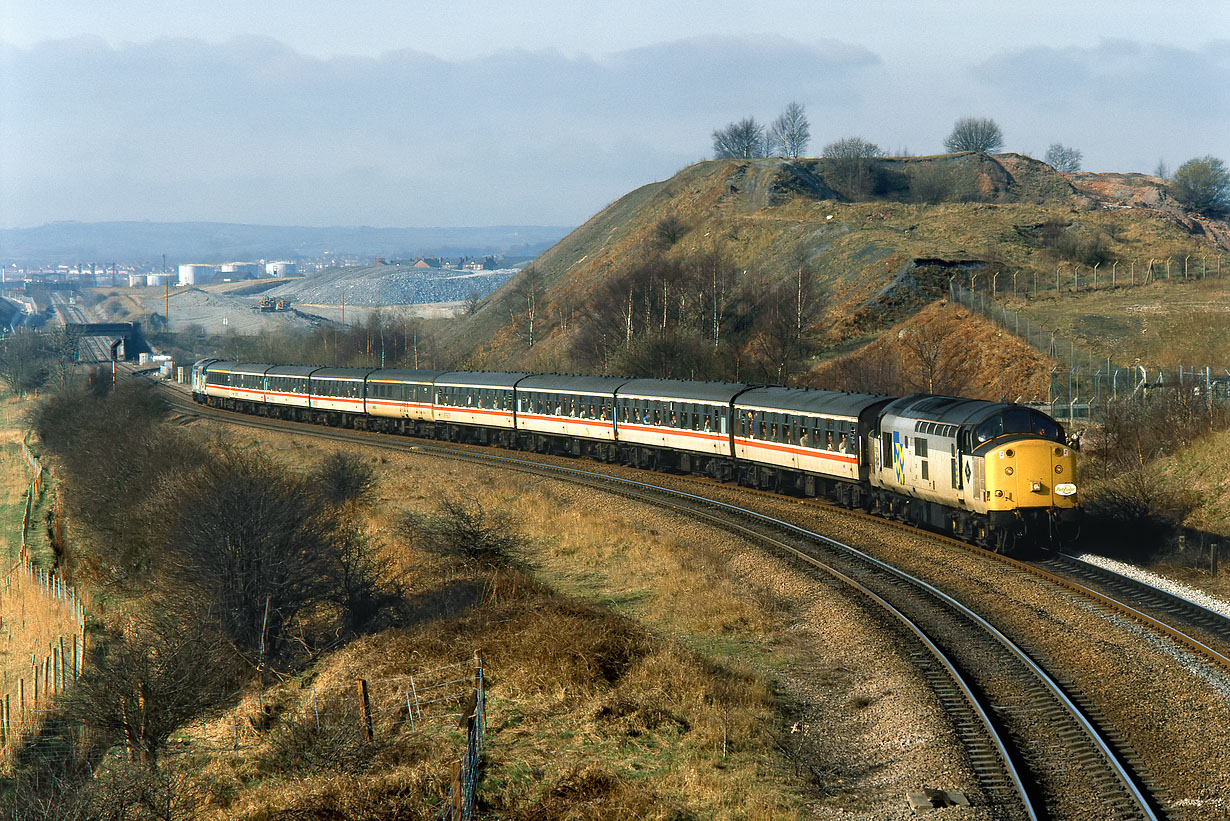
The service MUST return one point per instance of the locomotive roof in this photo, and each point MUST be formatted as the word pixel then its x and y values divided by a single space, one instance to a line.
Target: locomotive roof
pixel 572 384
pixel 404 375
pixel 952 410
pixel 830 403
pixel 480 379
pixel 341 373
pixel 681 390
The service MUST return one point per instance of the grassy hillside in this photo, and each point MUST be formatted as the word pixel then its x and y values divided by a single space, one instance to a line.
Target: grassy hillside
pixel 877 248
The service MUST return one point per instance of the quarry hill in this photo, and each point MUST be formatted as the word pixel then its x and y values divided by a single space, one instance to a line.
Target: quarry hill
pixel 776 269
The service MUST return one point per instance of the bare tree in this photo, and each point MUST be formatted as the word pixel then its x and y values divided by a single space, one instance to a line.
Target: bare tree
pixel 975 134
pixel 526 292
pixel 24 361
pixel 783 335
pixel 852 148
pixel 852 164
pixel 251 547
pixel 1063 158
pixel 790 132
pixel 140 686
pixel 743 139
pixel 933 358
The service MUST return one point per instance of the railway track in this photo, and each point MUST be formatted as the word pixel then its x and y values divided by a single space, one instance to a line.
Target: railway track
pixel 1037 750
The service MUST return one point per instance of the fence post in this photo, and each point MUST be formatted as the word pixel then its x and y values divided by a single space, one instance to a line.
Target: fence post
pixel 365 710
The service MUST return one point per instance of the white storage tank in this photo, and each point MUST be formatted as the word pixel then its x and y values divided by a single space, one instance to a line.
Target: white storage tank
pixel 157 280
pixel 195 274
pixel 239 270
pixel 281 269
pixel 136 280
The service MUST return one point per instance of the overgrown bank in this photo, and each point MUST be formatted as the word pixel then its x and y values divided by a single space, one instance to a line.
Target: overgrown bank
pixel 226 578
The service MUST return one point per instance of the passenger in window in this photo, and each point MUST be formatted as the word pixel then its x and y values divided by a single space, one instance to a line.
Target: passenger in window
pixel 828 440
pixel 845 444
pixel 803 441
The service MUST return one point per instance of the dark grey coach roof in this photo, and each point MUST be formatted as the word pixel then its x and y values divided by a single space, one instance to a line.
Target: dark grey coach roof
pixel 404 375
pixel 341 373
pixel 290 370
pixel 239 367
pixel 799 400
pixel 682 390
pixel 479 379
pixel 572 384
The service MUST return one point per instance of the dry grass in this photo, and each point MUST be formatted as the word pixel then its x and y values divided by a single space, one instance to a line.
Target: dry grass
pixel 593 712
pixel 30 623
pixel 1161 323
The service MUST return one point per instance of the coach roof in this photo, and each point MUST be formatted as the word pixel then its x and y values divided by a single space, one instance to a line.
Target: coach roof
pixel 479 379
pixel 820 403
pixel 681 390
pixel 604 385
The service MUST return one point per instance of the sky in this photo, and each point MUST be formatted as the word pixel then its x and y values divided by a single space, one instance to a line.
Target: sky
pixel 476 112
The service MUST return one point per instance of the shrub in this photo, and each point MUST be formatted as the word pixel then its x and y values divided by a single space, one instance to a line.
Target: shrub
pixel 465 530
pixel 345 477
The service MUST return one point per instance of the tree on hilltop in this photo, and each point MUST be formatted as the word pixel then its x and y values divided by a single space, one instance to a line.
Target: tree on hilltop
pixel 790 133
pixel 1063 158
pixel 975 134
pixel 1203 184
pixel 741 140
pixel 852 167
pixel 852 148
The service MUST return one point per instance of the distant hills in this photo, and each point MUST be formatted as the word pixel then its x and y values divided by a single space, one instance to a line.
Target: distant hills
pixel 143 243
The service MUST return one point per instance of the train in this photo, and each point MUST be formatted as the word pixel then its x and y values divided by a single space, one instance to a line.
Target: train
pixel 996 474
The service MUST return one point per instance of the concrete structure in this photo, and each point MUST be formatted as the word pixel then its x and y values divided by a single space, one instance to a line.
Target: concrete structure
pixel 281 269
pixel 194 274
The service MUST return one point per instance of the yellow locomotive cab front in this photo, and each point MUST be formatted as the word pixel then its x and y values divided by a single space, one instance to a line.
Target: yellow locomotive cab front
pixel 1030 473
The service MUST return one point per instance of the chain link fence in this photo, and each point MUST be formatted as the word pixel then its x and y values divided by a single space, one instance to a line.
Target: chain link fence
pixel 1085 381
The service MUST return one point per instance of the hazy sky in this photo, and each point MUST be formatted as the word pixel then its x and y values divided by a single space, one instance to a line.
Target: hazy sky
pixel 398 112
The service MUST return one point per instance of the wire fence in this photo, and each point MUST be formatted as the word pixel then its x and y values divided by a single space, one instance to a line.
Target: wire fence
pixel 23 709
pixel 1084 381
pixel 1078 276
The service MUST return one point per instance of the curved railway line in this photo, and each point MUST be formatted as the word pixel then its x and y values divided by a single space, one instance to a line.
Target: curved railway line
pixel 1038 746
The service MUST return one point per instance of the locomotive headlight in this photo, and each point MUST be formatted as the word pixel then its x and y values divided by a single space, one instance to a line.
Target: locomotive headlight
pixel 1059 468
pixel 1065 489
pixel 1008 470
pixel 1036 487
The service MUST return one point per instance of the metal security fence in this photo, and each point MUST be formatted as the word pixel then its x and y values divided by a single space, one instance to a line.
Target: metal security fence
pixel 1070 277
pixel 1065 351
pixel 1085 381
